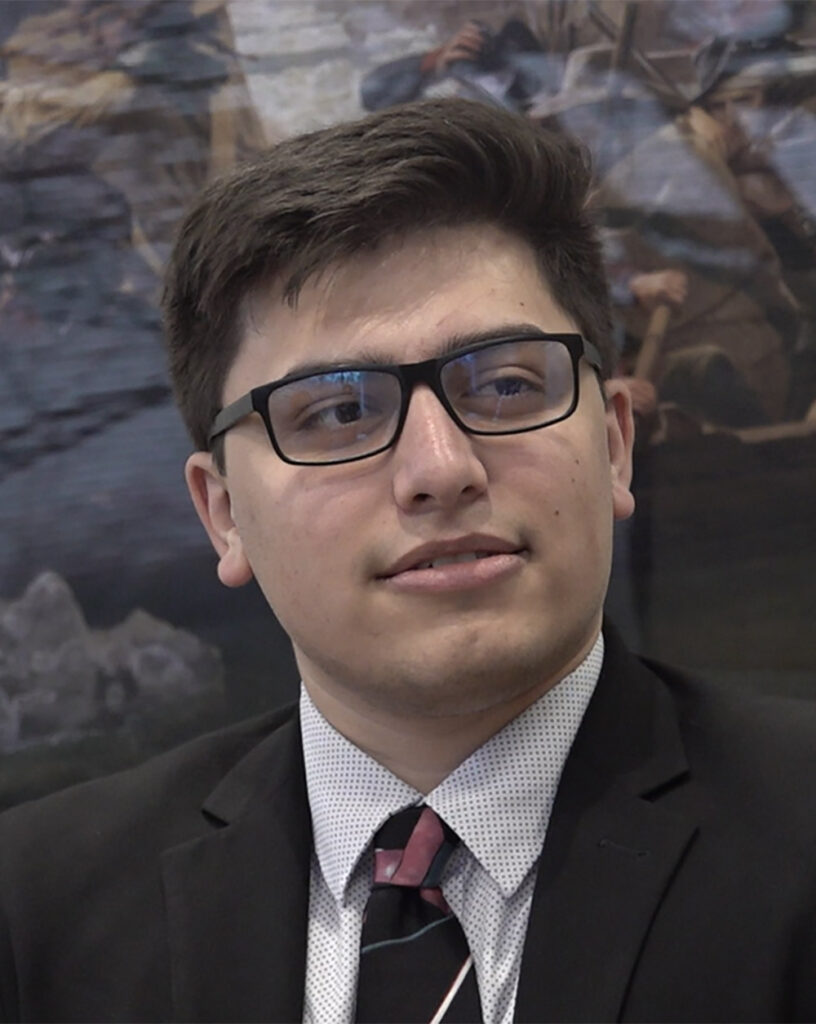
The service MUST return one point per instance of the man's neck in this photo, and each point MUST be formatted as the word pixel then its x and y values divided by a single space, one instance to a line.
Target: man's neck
pixel 422 750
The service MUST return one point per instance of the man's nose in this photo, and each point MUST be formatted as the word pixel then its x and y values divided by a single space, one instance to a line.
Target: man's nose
pixel 435 464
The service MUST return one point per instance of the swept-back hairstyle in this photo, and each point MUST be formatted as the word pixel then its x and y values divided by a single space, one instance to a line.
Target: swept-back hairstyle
pixel 317 199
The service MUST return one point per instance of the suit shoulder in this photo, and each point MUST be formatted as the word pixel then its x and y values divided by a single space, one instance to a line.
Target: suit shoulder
pixel 766 719
pixel 757 752
pixel 83 882
pixel 165 791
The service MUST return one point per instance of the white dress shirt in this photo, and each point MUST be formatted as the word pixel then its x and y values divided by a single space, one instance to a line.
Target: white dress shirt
pixel 498 802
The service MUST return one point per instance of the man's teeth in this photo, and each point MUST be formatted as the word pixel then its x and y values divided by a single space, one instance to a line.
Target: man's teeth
pixel 467 556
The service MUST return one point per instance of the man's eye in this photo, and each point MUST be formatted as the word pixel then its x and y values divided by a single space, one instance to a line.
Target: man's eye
pixel 506 387
pixel 509 385
pixel 332 416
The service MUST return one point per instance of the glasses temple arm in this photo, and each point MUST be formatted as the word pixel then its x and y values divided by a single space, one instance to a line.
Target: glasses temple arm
pixel 230 415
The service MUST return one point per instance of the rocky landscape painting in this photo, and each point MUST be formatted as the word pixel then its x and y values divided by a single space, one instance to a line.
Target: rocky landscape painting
pixel 96 698
pixel 116 639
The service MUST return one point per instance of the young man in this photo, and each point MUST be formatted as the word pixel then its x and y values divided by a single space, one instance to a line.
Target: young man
pixel 389 340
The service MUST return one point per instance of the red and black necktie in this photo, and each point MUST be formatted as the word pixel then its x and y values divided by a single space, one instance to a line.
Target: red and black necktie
pixel 415 965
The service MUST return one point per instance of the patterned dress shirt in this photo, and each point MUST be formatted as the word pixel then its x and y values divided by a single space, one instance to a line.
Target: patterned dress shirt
pixel 498 801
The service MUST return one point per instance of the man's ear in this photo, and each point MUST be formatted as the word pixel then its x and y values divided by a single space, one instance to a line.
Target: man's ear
pixel 210 493
pixel 620 433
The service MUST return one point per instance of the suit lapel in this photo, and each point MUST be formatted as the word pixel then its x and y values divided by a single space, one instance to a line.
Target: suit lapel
pixel 610 852
pixel 237 899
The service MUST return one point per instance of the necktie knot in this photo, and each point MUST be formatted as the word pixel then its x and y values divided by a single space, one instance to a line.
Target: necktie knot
pixel 412 849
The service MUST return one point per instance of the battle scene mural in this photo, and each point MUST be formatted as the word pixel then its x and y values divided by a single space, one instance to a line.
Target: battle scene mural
pixel 700 115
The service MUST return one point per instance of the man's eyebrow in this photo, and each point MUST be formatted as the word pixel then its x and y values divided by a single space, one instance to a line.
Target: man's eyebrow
pixel 450 345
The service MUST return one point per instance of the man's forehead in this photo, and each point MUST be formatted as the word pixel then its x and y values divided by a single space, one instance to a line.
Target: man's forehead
pixel 412 298
pixel 409 264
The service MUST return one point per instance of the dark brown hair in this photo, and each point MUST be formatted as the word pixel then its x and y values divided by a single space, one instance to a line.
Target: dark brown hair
pixel 317 199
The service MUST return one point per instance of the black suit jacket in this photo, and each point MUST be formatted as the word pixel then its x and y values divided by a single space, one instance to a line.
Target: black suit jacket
pixel 677 880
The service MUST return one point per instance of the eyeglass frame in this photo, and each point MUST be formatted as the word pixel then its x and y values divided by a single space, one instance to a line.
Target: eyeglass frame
pixel 426 371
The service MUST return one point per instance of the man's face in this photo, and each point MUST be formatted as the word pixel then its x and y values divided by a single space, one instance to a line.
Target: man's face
pixel 336 548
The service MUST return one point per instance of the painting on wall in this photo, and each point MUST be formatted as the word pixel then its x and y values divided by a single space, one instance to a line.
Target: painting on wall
pixel 700 116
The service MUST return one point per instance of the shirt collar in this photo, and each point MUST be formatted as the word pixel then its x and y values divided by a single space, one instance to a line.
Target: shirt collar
pixel 351 794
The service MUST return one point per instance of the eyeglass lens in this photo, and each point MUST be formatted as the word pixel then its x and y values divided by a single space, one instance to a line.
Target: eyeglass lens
pixel 344 414
pixel 336 415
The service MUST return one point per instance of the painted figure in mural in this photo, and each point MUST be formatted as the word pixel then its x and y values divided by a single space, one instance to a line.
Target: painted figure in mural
pixel 510 66
pixel 762 98
pixel 739 345
pixel 391 343
pixel 736 346
pixel 734 288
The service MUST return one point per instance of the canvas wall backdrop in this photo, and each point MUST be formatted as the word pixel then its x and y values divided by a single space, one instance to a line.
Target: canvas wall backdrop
pixel 115 637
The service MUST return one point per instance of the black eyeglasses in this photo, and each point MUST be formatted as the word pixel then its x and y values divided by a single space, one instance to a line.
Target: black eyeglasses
pixel 505 385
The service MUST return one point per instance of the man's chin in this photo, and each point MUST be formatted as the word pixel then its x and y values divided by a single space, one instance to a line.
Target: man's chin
pixel 455 685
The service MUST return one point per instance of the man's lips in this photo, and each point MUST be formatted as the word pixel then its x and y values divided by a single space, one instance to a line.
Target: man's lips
pixel 460 550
